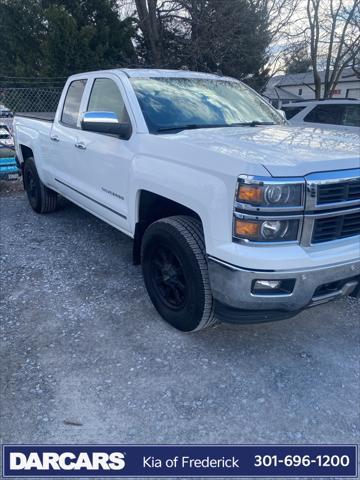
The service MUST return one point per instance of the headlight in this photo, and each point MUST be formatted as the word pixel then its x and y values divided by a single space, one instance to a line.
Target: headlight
pixel 269 193
pixel 266 230
pixel 268 209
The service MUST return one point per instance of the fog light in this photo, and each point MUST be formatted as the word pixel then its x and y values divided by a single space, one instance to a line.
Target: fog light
pixel 266 284
pixel 273 287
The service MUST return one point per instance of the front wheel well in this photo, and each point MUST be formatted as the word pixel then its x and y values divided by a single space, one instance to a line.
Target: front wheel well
pixel 152 207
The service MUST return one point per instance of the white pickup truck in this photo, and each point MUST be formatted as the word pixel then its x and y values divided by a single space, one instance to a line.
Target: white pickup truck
pixel 234 214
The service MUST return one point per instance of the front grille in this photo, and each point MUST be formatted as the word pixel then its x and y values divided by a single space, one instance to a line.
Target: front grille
pixel 338 192
pixel 332 228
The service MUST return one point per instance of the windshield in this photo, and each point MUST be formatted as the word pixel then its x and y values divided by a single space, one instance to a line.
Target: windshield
pixel 171 104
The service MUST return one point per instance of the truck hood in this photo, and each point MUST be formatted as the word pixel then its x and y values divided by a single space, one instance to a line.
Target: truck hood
pixel 282 150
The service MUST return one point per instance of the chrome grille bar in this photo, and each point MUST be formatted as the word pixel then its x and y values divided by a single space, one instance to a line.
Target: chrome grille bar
pixel 346 182
pixel 349 179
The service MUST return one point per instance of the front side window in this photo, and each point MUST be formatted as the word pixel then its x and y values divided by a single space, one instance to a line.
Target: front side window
pixel 71 109
pixel 170 104
pixel 106 97
pixel 330 114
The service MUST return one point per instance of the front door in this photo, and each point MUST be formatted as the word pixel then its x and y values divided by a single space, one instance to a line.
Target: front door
pixel 103 161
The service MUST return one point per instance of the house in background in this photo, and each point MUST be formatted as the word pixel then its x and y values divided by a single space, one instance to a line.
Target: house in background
pixel 297 87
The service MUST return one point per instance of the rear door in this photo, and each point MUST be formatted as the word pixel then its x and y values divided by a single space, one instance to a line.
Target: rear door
pixel 64 137
pixel 102 166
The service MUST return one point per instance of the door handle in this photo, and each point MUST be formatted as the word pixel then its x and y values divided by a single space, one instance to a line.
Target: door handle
pixel 80 145
pixel 54 138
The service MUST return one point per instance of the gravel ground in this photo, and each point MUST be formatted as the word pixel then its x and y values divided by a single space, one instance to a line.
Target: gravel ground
pixel 86 358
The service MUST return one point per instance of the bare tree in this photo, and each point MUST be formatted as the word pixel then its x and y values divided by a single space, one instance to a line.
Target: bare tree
pixel 285 24
pixel 333 38
pixel 149 25
pixel 281 16
pixel 211 35
pixel 356 65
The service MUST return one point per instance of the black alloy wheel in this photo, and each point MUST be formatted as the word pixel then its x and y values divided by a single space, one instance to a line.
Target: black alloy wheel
pixel 175 272
pixel 168 277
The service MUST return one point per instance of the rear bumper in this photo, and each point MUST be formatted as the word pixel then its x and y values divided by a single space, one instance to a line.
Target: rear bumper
pixel 233 289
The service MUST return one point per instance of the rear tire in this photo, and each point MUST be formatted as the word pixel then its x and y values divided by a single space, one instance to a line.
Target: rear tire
pixel 175 272
pixel 41 198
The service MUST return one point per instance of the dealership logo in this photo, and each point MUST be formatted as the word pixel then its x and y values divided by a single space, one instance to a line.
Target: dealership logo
pixel 66 461
pixel 170 461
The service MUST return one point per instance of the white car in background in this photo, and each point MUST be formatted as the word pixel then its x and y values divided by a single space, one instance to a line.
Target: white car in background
pixel 5 112
pixel 339 114
pixel 6 139
pixel 8 167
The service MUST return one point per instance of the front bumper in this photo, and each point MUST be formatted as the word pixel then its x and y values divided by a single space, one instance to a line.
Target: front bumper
pixel 232 288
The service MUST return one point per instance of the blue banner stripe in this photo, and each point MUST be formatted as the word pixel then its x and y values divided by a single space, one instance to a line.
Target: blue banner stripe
pixel 180 461
pixel 9 169
pixel 10 160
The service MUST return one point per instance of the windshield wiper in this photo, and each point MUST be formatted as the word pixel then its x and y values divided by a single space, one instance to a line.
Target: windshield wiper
pixel 192 126
pixel 254 123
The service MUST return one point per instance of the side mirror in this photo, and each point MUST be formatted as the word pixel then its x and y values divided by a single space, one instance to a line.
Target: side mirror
pixel 106 122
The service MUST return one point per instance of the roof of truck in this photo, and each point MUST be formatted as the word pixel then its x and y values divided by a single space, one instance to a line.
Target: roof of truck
pixel 154 72
pixel 159 72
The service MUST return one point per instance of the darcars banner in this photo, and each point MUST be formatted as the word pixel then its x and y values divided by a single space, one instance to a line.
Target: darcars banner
pixel 180 461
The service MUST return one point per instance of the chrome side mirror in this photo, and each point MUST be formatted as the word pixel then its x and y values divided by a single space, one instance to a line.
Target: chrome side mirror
pixel 105 122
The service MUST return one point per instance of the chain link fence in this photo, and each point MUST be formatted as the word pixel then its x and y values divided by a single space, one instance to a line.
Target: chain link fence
pixel 30 99
pixel 15 98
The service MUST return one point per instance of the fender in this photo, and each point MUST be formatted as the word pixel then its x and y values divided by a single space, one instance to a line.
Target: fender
pixel 200 191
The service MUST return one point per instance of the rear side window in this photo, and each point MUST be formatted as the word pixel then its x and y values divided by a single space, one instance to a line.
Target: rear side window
pixel 352 116
pixel 106 97
pixel 71 109
pixel 292 111
pixel 330 114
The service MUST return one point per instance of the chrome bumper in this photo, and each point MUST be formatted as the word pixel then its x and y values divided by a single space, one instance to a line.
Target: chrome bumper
pixel 232 286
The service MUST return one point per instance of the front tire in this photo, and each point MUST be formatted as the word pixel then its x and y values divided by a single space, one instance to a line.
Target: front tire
pixel 175 272
pixel 41 198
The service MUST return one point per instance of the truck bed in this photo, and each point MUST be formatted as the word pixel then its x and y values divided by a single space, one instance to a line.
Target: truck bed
pixel 44 116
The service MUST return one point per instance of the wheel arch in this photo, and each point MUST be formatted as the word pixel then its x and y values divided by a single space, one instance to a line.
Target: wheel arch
pixel 151 207
pixel 26 152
